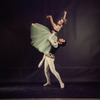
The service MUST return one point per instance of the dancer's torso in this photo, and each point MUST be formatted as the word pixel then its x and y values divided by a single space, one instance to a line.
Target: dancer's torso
pixel 53 50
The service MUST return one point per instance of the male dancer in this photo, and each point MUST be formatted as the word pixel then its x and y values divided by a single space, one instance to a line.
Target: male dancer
pixel 49 58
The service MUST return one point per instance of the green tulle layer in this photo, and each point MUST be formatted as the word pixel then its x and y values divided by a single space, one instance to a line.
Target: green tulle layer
pixel 39 37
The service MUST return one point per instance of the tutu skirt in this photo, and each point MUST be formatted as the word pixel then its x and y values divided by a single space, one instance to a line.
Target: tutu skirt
pixel 39 37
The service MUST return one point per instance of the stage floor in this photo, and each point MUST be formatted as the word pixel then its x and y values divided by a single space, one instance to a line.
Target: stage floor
pixel 36 91
pixel 54 99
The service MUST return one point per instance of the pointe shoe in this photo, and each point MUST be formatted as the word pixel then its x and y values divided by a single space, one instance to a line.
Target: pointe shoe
pixel 32 24
pixel 46 84
pixel 62 85
pixel 40 64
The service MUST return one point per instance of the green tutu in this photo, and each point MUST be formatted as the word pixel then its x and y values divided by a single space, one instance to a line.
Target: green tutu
pixel 39 37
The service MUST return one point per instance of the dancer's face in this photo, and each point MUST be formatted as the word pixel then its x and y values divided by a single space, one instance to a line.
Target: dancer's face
pixel 60 22
pixel 61 41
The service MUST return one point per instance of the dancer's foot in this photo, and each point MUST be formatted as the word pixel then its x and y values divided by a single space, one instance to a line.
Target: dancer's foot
pixel 46 84
pixel 62 85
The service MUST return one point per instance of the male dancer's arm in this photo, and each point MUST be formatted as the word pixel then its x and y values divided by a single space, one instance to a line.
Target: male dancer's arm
pixel 53 43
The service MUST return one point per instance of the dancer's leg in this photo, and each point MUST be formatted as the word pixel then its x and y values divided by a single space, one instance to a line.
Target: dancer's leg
pixel 46 71
pixel 53 70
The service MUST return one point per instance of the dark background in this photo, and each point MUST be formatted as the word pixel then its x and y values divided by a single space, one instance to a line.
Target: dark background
pixel 78 61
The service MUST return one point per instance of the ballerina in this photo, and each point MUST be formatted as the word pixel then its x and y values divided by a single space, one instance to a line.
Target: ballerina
pixel 45 41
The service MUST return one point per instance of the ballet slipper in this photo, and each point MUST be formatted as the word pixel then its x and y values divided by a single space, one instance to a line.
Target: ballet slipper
pixel 62 85
pixel 46 84
pixel 40 64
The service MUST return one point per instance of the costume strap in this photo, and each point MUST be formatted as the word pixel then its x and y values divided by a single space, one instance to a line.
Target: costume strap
pixel 55 30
